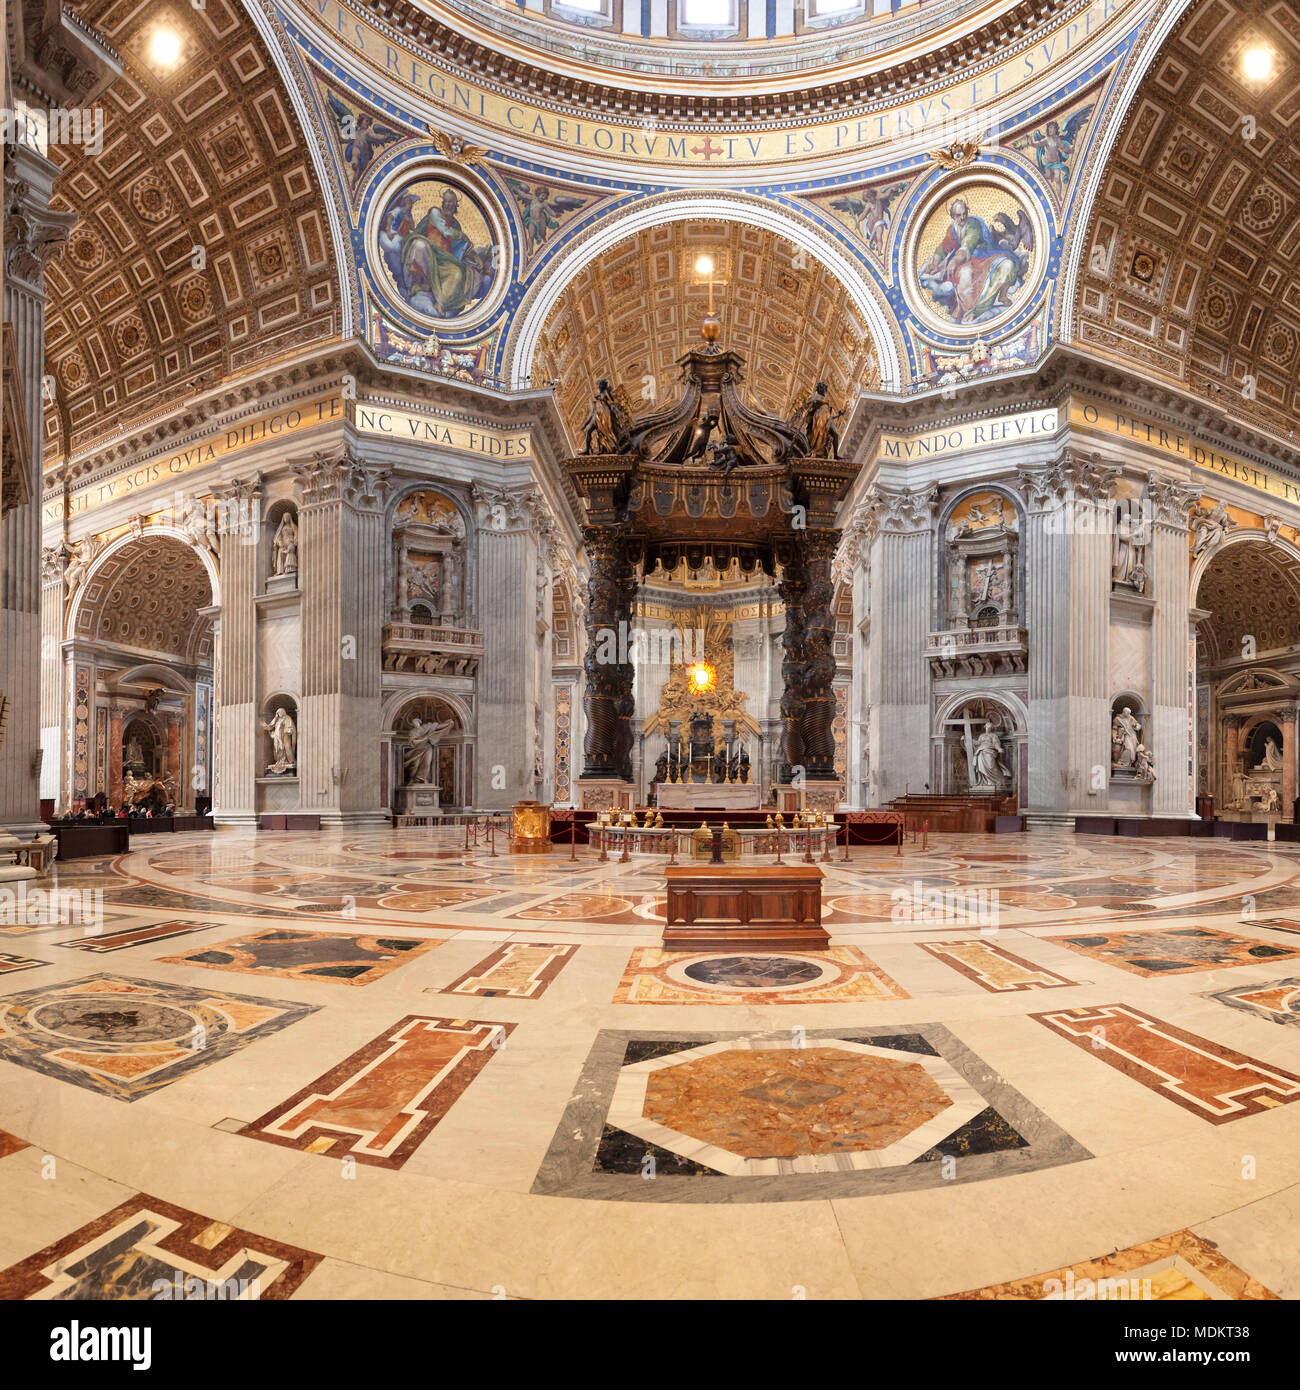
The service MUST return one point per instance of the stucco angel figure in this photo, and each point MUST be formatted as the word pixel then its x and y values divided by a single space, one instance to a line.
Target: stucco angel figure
pixel 1210 526
pixel 421 746
pixel 284 742
pixel 83 553
pixel 284 546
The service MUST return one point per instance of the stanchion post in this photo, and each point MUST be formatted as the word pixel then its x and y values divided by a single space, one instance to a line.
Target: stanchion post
pixel 779 833
pixel 492 839
pixel 672 847
pixel 844 858
pixel 604 858
pixel 573 838
pixel 827 841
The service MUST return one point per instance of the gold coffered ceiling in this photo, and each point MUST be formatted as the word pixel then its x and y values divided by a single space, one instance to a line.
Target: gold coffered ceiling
pixel 632 312
pixel 207 154
pixel 1191 265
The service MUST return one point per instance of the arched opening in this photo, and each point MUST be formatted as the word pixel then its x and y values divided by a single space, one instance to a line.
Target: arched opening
pixel 1248 679
pixel 140 657
pixel 431 758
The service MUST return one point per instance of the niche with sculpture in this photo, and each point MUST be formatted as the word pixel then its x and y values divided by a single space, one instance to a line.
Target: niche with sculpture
pixel 1130 757
pixel 426 764
pixel 980 750
pixel 282 558
pixel 280 728
pixel 1257 782
pixel 428 561
pixel 981 547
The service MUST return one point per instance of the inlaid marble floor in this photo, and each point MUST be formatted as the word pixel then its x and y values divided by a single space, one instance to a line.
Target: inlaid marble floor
pixel 372 1064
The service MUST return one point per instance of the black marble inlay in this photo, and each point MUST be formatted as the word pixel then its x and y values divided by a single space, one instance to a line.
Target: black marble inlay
pixel 621 1152
pixel 987 1133
pixel 646 1050
pixel 900 1042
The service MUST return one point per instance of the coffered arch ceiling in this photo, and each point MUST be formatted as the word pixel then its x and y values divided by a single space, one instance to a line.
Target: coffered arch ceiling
pixel 1191 267
pixel 1249 588
pixel 633 311
pixel 205 154
pixel 147 597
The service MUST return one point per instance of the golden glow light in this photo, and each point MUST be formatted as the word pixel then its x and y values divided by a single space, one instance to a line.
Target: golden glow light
pixel 1257 62
pixel 164 47
pixel 704 265
pixel 701 676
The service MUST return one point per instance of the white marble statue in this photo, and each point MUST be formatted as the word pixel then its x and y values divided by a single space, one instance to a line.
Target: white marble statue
pixel 421 747
pixel 1210 525
pixel 990 769
pixel 284 742
pixel 1143 764
pixel 284 546
pixel 1125 732
pixel 1272 759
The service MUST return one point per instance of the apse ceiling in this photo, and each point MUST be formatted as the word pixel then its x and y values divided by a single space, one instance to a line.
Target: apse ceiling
pixel 1193 266
pixel 203 160
pixel 633 311
pixel 1249 589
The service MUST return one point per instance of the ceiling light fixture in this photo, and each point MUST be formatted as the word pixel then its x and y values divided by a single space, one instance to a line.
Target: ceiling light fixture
pixel 704 266
pixel 164 48
pixel 1257 62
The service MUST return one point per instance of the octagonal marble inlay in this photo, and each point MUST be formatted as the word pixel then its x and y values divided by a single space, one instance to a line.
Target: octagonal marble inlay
pixel 754 1106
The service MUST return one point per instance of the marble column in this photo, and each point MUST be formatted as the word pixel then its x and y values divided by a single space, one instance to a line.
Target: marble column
pixel 53 606
pixel 239 741
pixel 609 672
pixel 116 713
pixel 1067 600
pixel 792 587
pixel 33 236
pixel 1170 731
pixel 174 755
pixel 1287 726
pixel 902 569
pixel 819 656
pixel 341 552
pixel 510 522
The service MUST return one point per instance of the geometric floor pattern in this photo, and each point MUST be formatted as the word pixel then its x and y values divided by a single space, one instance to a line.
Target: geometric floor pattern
pixel 303 955
pixel 1176 950
pixel 127 1038
pixel 542 1044
pixel 843 974
pixel 794 1114
pixel 148 1249
pixel 1180 1267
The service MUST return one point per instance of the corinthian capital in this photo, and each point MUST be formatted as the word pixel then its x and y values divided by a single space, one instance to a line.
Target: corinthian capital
pixel 906 509
pixel 1072 477
pixel 341 478
pixel 33 234
pixel 1170 501
pixel 511 509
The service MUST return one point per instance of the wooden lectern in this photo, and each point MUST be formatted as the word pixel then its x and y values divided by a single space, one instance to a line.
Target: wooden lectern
pixel 726 906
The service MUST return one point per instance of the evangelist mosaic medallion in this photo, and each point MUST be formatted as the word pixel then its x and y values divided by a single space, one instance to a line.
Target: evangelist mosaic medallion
pixel 790 1116
pixel 437 249
pixel 975 257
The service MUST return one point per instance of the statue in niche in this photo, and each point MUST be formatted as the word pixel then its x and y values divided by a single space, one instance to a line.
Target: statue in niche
pixel 1210 526
pixel 284 546
pixel 1272 759
pixel 1125 733
pixel 422 747
pixel 990 769
pixel 1143 765
pixel 815 420
pixel 1129 549
pixel 284 743
pixel 607 427
pixel 134 758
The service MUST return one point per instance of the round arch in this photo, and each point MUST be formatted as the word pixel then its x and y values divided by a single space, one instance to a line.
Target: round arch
pixel 1014 705
pixel 130 538
pixel 1079 235
pixel 541 299
pixel 404 701
pixel 1238 537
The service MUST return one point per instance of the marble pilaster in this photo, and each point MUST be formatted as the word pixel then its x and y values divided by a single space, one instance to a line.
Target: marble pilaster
pixel 1172 716
pixel 235 787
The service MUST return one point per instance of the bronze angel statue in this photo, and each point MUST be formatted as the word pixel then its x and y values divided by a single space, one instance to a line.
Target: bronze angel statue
pixel 814 418
pixel 609 425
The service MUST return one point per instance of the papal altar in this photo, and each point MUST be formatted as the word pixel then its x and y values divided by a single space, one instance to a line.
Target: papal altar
pixel 711 796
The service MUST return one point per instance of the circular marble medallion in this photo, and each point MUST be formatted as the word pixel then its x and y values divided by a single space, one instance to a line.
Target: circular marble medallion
pixel 111 1018
pixel 754 972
